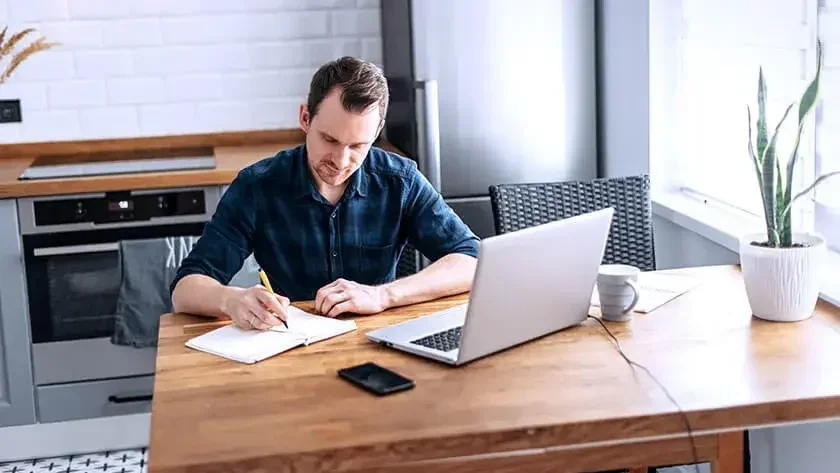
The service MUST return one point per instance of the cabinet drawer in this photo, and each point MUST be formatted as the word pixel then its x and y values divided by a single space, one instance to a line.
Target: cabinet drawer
pixel 95 399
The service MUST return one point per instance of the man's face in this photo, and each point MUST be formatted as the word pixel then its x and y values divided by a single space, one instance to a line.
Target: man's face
pixel 337 141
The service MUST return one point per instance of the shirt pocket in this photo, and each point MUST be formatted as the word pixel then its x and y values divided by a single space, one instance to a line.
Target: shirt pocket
pixel 376 263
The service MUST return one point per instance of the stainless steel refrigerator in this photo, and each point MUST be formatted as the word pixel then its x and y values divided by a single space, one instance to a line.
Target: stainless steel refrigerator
pixel 491 91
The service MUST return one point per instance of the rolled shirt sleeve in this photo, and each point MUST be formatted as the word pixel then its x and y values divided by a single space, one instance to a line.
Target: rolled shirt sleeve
pixel 434 228
pixel 227 239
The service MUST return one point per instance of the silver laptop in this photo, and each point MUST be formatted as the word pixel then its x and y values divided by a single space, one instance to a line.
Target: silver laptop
pixel 527 284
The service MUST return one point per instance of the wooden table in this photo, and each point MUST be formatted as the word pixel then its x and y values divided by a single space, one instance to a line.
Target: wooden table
pixel 566 402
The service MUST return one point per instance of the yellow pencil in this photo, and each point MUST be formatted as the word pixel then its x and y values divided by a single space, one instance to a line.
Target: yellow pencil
pixel 267 285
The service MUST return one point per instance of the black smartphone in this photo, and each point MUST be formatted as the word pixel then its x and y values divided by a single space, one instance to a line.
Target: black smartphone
pixel 376 379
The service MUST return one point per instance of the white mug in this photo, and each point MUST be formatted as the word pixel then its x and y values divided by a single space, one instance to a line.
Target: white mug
pixel 618 292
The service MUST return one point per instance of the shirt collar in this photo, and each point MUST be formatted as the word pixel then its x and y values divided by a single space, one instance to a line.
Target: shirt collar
pixel 304 184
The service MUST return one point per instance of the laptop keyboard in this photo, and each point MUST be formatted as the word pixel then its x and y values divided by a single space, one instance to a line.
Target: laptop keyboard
pixel 446 340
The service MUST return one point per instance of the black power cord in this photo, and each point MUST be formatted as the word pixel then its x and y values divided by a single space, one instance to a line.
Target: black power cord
pixel 665 390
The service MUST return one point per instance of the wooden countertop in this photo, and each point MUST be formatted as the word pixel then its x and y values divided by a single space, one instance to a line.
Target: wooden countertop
pixel 233 151
pixel 726 369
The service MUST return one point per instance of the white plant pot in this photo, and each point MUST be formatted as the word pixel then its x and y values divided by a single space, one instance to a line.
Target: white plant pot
pixel 783 284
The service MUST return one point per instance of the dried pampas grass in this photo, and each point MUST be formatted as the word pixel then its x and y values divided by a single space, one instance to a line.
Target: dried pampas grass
pixel 6 48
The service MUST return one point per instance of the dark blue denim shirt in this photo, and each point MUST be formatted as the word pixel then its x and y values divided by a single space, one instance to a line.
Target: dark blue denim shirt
pixel 273 210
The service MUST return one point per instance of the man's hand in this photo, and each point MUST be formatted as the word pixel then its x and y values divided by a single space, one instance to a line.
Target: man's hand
pixel 347 296
pixel 255 308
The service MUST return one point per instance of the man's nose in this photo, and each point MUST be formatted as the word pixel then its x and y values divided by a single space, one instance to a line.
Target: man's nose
pixel 342 158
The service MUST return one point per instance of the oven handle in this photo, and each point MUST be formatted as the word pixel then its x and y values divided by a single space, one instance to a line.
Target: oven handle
pixel 125 399
pixel 76 249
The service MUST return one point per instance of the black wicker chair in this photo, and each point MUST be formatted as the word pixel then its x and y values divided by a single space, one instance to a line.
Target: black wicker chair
pixel 630 241
pixel 409 262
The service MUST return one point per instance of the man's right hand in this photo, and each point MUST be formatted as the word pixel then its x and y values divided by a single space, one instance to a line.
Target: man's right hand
pixel 254 307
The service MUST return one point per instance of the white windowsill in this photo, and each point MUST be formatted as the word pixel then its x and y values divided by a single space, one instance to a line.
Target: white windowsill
pixel 724 227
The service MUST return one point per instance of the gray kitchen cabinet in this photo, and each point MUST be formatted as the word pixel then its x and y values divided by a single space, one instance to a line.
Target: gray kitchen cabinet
pixel 17 398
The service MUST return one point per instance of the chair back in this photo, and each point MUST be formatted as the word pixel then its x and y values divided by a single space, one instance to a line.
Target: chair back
pixel 630 241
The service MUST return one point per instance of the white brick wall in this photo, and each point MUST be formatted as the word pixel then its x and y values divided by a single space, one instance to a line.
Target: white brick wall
pixel 159 67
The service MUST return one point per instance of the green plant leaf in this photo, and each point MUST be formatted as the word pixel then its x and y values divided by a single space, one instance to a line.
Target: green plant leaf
pixel 809 98
pixel 757 165
pixel 808 189
pixel 769 171
pixel 761 124
pixel 782 224
pixel 806 104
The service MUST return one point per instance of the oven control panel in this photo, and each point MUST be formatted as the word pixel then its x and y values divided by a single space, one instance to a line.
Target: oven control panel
pixel 120 207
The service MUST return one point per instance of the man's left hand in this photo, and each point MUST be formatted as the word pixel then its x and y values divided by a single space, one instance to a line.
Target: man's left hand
pixel 343 296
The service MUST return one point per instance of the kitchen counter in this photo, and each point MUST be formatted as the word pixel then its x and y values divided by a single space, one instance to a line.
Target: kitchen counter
pixel 233 151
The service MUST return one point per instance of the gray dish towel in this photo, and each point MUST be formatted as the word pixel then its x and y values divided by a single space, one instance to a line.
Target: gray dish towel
pixel 148 267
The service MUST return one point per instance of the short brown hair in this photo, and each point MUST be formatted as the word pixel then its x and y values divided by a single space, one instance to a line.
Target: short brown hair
pixel 362 84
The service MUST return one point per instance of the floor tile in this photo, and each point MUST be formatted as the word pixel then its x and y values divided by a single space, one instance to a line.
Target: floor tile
pixel 120 461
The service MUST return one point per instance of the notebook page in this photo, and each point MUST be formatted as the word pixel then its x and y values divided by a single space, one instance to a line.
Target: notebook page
pixel 245 346
pixel 314 328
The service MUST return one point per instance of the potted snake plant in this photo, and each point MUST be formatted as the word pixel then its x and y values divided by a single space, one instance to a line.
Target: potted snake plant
pixel 782 269
pixel 7 46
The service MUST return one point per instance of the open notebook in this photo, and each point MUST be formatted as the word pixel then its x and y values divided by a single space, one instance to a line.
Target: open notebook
pixel 251 346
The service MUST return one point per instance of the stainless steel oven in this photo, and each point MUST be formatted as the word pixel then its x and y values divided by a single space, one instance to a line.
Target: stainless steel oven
pixel 71 247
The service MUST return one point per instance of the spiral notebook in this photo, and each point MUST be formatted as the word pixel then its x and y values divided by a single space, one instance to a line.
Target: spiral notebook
pixel 251 346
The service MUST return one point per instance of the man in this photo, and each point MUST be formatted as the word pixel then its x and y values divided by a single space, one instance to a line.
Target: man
pixel 327 220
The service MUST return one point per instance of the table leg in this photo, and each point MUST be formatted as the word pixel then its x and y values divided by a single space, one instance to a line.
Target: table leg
pixel 730 456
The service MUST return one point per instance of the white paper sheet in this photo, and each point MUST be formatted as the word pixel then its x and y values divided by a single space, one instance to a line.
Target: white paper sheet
pixel 656 289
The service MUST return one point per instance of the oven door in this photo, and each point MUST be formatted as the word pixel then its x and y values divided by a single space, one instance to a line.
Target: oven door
pixel 73 283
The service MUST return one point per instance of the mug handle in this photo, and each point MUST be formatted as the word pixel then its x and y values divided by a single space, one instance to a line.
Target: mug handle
pixel 635 301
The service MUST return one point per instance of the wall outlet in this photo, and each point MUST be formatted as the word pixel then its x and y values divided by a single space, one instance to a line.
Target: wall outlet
pixel 10 111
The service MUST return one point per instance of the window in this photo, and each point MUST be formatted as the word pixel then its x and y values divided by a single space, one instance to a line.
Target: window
pixel 827 208
pixel 705 59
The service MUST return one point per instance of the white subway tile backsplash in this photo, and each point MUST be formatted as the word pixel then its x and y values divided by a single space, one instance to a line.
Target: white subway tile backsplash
pixel 47 125
pixel 76 94
pixel 193 88
pixel 191 59
pixel 157 8
pixel 330 4
pixel 158 67
pixel 121 33
pixel 85 9
pixel 73 34
pixel 372 50
pixel 10 132
pixel 223 116
pixel 322 51
pixel 108 122
pixel 46 65
pixel 356 22
pixel 309 24
pixel 22 11
pixel 32 95
pixel 136 90
pixel 217 28
pixel 162 119
pixel 309 53
pixel 267 84
pixel 278 113
pixel 98 64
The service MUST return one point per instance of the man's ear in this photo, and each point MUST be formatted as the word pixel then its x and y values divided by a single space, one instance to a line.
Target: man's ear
pixel 303 118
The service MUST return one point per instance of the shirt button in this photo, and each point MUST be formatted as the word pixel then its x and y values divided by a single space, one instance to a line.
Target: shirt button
pixel 332 216
pixel 334 254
